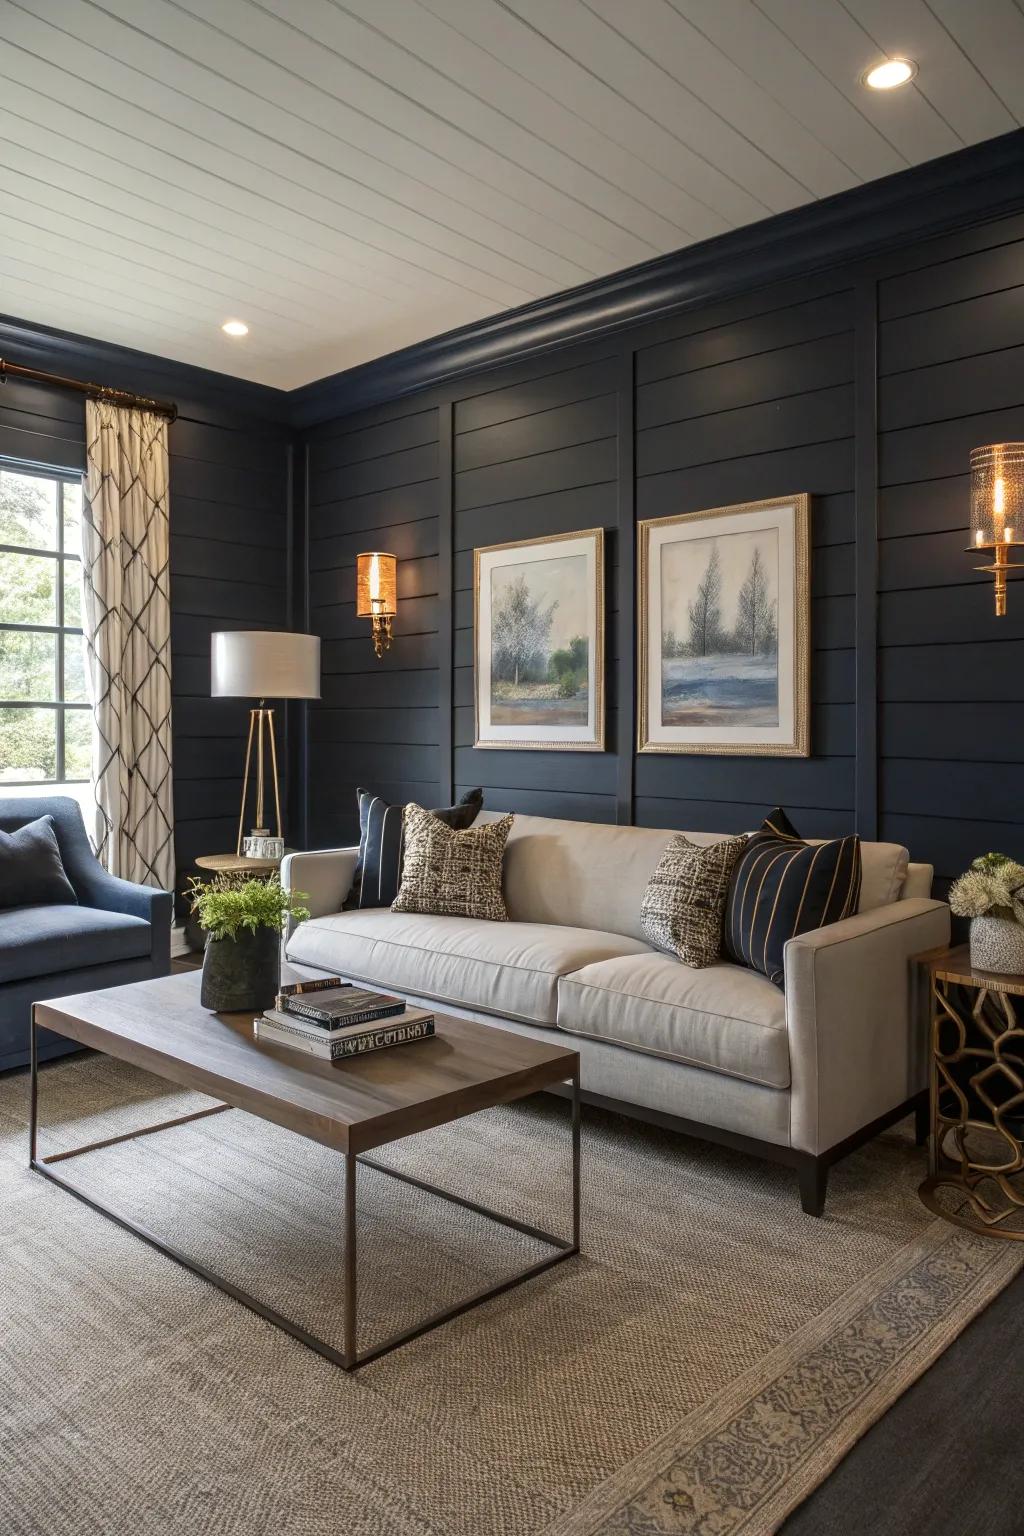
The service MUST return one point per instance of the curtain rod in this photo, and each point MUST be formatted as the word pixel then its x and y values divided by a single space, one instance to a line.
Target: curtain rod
pixel 94 391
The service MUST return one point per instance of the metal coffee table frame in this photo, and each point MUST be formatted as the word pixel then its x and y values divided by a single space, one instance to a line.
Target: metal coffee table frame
pixel 349 1357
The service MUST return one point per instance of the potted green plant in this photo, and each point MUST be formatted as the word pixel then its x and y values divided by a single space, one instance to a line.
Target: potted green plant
pixel 243 921
pixel 991 894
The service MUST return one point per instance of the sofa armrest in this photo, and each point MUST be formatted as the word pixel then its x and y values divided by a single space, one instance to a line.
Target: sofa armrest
pixel 109 894
pixel 856 1029
pixel 325 875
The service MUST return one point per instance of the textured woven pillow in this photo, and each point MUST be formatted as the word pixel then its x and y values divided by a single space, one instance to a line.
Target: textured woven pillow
pixel 782 886
pixel 451 873
pixel 379 868
pixel 684 902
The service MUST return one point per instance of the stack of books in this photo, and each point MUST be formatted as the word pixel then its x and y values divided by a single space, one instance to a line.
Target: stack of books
pixel 332 1019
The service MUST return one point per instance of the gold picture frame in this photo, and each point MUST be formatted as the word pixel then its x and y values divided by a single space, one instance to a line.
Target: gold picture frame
pixel 515 720
pixel 697 721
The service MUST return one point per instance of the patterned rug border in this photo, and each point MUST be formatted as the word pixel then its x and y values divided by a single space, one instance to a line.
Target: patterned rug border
pixel 613 1508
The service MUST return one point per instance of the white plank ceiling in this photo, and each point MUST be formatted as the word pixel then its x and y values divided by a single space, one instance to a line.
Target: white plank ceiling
pixel 351 176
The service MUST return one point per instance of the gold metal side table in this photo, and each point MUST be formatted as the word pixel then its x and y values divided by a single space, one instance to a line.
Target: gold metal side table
pixel 976 1148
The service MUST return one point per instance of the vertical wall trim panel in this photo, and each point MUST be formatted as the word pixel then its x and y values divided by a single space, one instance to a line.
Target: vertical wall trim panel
pixel 299 614
pixel 291 711
pixel 625 744
pixel 446 558
pixel 866 556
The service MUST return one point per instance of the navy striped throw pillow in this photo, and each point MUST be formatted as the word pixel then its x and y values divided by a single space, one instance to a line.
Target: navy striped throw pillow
pixel 379 869
pixel 782 886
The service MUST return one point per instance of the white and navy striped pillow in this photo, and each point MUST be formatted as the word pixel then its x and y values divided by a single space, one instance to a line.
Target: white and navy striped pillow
pixel 782 886
pixel 379 869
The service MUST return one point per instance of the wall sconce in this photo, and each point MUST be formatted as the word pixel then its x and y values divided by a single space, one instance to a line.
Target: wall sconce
pixel 997 509
pixel 377 595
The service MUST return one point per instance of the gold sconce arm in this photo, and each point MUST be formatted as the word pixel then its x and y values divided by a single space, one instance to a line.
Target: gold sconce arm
pixel 381 630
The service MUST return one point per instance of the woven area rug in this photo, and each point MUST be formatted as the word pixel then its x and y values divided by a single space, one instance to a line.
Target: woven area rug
pixel 698 1370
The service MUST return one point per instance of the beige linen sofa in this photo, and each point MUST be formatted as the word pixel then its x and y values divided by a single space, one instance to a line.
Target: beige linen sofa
pixel 802 1076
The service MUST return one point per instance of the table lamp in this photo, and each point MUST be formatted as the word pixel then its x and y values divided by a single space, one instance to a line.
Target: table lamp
pixel 263 664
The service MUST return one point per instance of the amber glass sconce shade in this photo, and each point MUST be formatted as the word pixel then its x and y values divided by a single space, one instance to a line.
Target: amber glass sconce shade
pixel 377 595
pixel 997 510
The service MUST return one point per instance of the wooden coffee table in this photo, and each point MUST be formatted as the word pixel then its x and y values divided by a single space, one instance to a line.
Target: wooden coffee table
pixel 352 1106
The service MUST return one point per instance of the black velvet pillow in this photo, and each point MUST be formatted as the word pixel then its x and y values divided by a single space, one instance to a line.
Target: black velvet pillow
pixel 31 868
pixel 782 886
pixel 379 870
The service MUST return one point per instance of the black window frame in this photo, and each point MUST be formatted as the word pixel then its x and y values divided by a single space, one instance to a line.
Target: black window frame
pixel 61 706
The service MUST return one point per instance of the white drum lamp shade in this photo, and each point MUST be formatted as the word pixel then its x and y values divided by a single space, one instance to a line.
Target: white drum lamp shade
pixel 264 664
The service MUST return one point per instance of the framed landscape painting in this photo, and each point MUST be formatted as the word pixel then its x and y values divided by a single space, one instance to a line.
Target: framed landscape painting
pixel 539 643
pixel 724 631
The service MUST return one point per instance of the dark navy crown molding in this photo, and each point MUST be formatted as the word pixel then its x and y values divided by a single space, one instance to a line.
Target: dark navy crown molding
pixel 983 181
pixel 101 362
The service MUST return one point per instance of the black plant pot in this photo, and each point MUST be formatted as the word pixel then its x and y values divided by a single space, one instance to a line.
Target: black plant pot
pixel 242 973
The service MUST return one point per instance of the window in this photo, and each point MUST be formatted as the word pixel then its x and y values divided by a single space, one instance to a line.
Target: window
pixel 45 718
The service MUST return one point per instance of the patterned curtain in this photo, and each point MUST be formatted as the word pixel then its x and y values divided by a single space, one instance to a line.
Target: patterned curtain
pixel 127 621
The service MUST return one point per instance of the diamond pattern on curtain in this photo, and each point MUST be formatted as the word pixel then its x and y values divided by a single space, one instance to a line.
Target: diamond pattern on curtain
pixel 127 622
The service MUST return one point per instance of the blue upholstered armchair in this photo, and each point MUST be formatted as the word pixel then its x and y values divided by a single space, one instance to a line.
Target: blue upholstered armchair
pixel 119 932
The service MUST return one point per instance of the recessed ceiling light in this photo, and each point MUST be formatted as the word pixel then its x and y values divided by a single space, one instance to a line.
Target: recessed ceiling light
pixel 235 328
pixel 893 72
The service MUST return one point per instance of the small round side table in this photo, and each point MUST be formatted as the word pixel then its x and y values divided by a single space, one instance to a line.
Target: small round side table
pixel 236 864
pixel 976 1148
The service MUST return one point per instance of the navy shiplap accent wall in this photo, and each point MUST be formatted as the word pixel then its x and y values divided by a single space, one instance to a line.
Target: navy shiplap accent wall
pixel 750 400
pixel 951 675
pixel 229 543
pixel 373 484
pixel 535 454
pixel 882 372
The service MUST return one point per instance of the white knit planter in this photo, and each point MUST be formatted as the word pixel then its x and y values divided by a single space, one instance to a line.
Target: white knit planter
pixel 997 945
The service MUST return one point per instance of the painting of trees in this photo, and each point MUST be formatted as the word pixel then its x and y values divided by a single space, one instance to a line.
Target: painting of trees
pixel 520 627
pixel 755 611
pixel 538 642
pixel 705 612
pixel 725 619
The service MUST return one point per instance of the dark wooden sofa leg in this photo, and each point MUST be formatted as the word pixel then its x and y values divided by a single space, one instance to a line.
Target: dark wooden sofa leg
pixel 813 1175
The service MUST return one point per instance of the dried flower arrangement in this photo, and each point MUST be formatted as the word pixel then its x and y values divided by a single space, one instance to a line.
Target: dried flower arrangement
pixel 992 887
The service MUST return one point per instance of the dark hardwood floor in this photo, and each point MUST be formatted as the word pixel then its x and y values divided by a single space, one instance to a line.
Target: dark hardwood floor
pixel 946 1459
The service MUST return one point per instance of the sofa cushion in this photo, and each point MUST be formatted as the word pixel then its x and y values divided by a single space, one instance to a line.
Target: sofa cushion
pixel 883 866
pixel 31 868
pixel 379 867
pixel 883 875
pixel 594 875
pixel 508 969
pixel 452 873
pixel 782 887
pixel 39 941
pixel 724 1017
pixel 584 873
pixel 684 904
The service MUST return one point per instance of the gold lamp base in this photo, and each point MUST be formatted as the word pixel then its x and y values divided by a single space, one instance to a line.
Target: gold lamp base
pixel 261 723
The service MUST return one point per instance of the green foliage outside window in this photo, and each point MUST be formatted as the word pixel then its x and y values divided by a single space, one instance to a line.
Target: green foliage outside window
pixel 40 515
